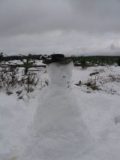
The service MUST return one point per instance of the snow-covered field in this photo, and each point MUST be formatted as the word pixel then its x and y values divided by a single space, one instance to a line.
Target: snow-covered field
pixel 100 111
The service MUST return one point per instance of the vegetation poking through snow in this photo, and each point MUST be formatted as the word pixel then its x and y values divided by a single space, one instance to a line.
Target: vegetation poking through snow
pixel 21 80
pixel 27 73
pixel 104 80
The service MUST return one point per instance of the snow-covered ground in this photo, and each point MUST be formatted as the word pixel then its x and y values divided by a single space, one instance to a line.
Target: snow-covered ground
pixel 100 111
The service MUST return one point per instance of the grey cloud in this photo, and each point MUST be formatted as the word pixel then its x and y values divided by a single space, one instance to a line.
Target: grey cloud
pixel 36 16
pixel 59 24
pixel 98 15
pixel 32 16
pixel 71 42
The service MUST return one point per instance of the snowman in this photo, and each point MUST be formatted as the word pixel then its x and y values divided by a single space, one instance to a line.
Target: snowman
pixel 58 131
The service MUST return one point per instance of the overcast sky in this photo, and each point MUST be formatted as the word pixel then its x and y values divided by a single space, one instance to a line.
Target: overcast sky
pixel 62 26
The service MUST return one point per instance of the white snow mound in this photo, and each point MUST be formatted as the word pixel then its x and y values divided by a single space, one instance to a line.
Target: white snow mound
pixel 58 131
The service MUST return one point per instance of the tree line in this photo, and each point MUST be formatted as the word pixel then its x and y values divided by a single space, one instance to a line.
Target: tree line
pixel 83 61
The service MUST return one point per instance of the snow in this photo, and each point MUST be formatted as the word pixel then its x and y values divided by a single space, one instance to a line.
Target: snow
pixel 98 112
pixel 15 117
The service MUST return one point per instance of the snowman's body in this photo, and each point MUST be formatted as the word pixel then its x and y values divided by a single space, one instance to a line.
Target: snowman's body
pixel 58 130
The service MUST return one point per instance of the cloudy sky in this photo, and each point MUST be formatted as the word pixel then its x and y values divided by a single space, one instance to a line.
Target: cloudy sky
pixel 67 26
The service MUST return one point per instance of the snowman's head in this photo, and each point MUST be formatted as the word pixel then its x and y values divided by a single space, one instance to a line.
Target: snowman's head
pixel 60 74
